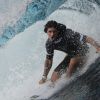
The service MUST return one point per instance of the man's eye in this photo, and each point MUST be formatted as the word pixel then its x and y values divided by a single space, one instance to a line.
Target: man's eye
pixel 51 31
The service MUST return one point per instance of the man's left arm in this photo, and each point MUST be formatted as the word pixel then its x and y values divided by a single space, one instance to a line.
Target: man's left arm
pixel 91 41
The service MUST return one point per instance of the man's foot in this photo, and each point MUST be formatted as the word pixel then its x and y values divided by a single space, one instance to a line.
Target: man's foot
pixel 52 84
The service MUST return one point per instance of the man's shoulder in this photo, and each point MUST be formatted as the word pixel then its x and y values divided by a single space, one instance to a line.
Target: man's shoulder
pixel 68 30
pixel 61 28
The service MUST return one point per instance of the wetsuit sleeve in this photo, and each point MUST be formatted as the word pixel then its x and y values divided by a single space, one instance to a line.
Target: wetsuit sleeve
pixel 49 50
pixel 75 36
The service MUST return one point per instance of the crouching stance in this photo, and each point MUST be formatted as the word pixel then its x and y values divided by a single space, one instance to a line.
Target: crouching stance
pixel 72 43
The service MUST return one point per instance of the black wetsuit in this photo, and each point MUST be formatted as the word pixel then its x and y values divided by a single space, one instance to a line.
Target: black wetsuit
pixel 68 41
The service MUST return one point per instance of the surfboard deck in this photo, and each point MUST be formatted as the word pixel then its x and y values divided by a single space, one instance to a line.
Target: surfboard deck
pixel 34 97
pixel 43 87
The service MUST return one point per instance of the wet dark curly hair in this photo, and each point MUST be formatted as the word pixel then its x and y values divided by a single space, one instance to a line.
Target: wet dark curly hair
pixel 50 24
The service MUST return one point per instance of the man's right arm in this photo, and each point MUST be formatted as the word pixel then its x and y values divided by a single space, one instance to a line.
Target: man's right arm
pixel 47 66
pixel 48 61
pixel 49 57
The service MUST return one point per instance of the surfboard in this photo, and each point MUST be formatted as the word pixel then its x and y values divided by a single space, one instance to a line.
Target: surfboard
pixel 42 89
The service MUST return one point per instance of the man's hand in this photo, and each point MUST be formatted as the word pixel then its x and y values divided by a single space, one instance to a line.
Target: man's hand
pixel 43 80
pixel 98 50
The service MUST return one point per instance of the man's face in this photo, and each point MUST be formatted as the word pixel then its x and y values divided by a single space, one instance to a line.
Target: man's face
pixel 52 32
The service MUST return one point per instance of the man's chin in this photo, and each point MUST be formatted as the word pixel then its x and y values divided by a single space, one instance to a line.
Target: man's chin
pixel 51 38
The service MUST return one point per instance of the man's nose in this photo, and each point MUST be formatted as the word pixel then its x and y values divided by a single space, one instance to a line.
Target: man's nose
pixel 52 33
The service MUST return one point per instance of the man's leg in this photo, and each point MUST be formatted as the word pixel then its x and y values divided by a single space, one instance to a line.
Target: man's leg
pixel 55 76
pixel 74 63
pixel 62 66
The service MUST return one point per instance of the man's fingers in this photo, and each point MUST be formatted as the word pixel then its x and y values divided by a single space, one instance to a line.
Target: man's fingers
pixel 98 50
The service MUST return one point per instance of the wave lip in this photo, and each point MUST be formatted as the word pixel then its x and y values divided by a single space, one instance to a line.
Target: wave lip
pixel 83 6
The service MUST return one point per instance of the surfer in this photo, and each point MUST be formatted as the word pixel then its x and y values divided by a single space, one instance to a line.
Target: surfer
pixel 68 41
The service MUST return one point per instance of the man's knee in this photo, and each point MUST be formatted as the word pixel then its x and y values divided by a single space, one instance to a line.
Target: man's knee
pixel 55 76
pixel 73 62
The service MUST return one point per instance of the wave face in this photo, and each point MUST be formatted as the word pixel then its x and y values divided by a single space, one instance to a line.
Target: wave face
pixel 34 11
pixel 19 69
pixel 86 87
